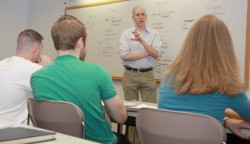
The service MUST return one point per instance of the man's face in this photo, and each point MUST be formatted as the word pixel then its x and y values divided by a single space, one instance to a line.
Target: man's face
pixel 139 16
pixel 37 52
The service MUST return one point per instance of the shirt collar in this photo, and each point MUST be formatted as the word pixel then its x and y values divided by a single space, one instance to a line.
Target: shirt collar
pixel 68 56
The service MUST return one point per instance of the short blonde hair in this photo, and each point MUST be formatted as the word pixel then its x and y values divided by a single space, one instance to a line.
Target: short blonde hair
pixel 138 7
pixel 207 62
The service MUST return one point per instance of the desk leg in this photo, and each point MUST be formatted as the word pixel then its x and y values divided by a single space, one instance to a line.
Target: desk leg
pixel 130 124
pixel 126 131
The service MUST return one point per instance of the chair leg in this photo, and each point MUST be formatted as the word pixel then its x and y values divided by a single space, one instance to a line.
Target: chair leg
pixel 126 131
pixel 28 120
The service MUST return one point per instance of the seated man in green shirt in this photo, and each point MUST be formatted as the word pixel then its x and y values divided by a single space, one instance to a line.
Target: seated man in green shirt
pixel 82 83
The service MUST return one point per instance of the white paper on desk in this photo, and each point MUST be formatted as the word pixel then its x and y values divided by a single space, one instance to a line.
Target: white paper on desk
pixel 144 106
pixel 5 125
pixel 130 104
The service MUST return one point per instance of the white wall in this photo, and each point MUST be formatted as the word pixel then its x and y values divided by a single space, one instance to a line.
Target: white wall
pixel 14 17
pixel 248 93
pixel 42 15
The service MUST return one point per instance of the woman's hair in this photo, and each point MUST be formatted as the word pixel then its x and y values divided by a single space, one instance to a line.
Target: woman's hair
pixel 207 62
pixel 67 31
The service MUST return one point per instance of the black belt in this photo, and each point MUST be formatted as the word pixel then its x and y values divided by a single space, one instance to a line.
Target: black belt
pixel 138 70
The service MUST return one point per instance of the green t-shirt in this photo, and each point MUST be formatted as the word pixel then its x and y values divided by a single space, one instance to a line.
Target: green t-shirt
pixel 84 84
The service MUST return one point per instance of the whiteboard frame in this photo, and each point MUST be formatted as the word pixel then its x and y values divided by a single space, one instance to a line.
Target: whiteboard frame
pixel 94 4
pixel 247 49
pixel 247 46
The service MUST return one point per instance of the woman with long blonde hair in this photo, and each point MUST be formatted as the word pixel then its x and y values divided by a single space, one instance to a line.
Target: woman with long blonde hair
pixel 204 77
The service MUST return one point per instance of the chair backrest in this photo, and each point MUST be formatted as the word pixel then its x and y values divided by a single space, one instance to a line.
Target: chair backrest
pixel 58 116
pixel 157 126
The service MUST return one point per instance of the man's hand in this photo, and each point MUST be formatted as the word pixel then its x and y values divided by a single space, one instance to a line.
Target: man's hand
pixel 137 36
pixel 44 60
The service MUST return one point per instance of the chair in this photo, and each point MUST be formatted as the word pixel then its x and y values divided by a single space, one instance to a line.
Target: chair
pixel 157 126
pixel 58 116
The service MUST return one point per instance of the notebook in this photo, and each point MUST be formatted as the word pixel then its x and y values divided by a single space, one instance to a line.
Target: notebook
pixel 17 135
pixel 136 107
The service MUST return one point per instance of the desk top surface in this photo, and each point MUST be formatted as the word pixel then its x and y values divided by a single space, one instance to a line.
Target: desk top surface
pixel 60 138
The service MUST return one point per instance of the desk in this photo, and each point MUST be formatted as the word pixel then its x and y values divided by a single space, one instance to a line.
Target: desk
pixel 60 138
pixel 132 111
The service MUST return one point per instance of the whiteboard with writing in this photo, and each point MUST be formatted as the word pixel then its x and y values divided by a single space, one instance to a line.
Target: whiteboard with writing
pixel 171 18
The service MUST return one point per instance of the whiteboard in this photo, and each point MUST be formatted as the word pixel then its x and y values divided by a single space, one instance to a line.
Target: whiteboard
pixel 171 18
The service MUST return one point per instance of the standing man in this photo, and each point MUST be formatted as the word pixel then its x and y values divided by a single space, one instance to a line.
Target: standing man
pixel 15 73
pixel 85 84
pixel 140 47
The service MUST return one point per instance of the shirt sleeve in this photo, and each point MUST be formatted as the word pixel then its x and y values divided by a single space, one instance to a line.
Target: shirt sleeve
pixel 157 42
pixel 241 105
pixel 106 85
pixel 124 47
